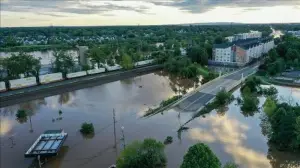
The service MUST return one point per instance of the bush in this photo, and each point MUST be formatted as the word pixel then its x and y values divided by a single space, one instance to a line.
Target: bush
pixel 146 154
pixel 168 140
pixel 21 114
pixel 223 98
pixel 249 105
pixel 271 91
pixel 87 128
pixel 200 156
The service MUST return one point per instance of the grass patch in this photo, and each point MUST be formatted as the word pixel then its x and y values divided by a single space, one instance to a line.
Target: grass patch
pixel 203 71
pixel 162 105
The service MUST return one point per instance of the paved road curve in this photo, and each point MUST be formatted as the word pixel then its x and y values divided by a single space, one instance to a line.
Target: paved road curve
pixel 193 102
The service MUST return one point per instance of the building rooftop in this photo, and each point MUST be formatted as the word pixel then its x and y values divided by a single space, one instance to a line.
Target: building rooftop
pixel 247 43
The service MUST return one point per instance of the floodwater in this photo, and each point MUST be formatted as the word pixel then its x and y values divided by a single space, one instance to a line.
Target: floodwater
pixel 232 135
pixel 45 56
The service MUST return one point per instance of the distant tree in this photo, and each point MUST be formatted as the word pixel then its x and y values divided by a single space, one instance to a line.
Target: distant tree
pixel 177 51
pixel 146 154
pixel 218 40
pixel 200 156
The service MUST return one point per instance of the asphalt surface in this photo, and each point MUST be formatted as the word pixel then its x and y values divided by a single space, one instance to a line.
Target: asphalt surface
pixel 205 93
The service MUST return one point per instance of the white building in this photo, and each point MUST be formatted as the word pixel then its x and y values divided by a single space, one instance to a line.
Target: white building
pixel 183 51
pixel 241 52
pixel 229 38
pixel 222 54
pixel 244 36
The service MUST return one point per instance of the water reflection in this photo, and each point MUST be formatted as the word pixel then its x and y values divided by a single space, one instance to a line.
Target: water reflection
pixel 178 85
pixel 66 98
pixel 6 126
pixel 283 159
pixel 231 133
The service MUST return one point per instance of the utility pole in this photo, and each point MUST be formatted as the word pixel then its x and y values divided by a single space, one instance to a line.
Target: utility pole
pixel 114 118
pixel 123 137
pixel 31 130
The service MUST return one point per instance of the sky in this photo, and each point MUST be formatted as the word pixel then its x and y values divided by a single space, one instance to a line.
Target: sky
pixel 18 13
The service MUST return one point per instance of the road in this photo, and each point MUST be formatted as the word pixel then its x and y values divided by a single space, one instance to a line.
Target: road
pixel 201 96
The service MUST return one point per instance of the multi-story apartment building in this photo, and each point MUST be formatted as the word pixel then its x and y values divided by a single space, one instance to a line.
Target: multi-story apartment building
pixel 294 33
pixel 244 36
pixel 242 51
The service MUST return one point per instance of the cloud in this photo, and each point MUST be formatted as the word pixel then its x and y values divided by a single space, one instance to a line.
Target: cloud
pixel 51 7
pixel 231 133
pixel 200 6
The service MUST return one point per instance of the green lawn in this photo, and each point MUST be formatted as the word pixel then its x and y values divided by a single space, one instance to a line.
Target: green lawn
pixel 203 70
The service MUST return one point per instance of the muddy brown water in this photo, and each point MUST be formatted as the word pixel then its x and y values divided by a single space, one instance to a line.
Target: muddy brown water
pixel 232 135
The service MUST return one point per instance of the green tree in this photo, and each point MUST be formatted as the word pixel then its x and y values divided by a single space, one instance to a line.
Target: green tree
pixel 199 55
pixel 21 63
pixel 292 54
pixel 63 62
pixel 97 55
pixel 146 154
pixel 223 98
pixel 283 127
pixel 269 106
pixel 297 131
pixel 218 40
pixel 126 62
pixel 177 51
pixel 249 105
pixel 200 156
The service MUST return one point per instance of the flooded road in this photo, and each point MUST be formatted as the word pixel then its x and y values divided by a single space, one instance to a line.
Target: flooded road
pixel 232 135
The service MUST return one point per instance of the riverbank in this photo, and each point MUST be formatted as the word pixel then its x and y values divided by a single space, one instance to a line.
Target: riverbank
pixel 268 81
pixel 36 92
